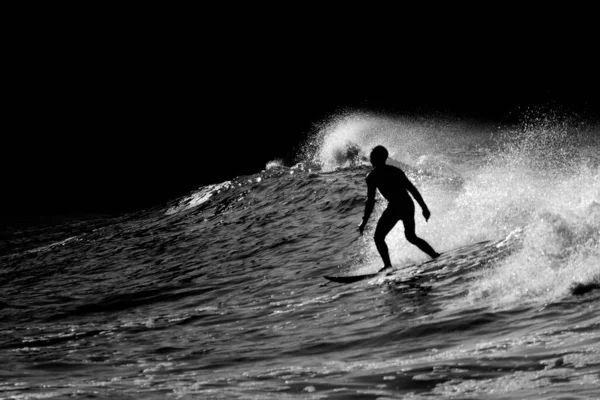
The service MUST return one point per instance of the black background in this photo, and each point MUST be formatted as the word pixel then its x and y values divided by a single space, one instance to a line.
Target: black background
pixel 106 114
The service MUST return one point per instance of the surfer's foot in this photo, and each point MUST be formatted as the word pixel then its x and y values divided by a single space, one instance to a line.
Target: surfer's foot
pixel 436 255
pixel 385 267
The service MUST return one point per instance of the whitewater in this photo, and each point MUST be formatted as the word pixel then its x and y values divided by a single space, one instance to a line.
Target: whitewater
pixel 220 294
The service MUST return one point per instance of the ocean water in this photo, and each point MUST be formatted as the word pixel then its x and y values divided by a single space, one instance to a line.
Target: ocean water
pixel 221 295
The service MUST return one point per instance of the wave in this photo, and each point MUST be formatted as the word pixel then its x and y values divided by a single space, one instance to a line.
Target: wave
pixel 540 178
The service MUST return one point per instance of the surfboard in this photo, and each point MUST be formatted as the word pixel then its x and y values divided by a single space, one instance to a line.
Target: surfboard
pixel 424 269
pixel 357 278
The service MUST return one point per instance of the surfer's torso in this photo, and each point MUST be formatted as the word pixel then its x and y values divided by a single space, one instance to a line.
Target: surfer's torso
pixel 393 185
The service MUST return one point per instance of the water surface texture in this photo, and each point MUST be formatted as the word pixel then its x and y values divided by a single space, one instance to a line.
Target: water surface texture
pixel 221 295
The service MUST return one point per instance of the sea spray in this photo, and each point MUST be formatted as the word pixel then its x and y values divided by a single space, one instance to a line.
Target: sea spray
pixel 409 140
pixel 546 184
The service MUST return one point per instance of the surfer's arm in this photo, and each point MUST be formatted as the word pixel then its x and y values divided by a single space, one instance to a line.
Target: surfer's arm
pixel 417 196
pixel 369 205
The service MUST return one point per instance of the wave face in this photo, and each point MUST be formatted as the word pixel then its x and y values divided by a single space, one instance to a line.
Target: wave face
pixel 220 294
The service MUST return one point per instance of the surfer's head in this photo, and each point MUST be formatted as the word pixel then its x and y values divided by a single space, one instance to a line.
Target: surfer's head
pixel 379 155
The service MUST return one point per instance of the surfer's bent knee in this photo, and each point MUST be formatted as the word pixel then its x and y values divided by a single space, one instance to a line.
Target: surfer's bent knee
pixel 380 234
pixel 411 236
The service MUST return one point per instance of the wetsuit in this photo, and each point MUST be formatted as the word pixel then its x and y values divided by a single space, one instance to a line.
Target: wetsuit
pixel 394 186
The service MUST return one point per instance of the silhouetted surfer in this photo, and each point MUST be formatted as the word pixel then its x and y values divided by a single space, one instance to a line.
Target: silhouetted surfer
pixel 393 184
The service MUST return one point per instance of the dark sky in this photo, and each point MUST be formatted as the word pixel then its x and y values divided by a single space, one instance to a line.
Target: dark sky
pixel 100 121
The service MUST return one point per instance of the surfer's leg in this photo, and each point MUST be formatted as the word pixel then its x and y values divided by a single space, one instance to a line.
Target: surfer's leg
pixel 411 236
pixel 384 226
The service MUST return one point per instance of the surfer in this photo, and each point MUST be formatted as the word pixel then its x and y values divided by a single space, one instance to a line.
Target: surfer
pixel 394 186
